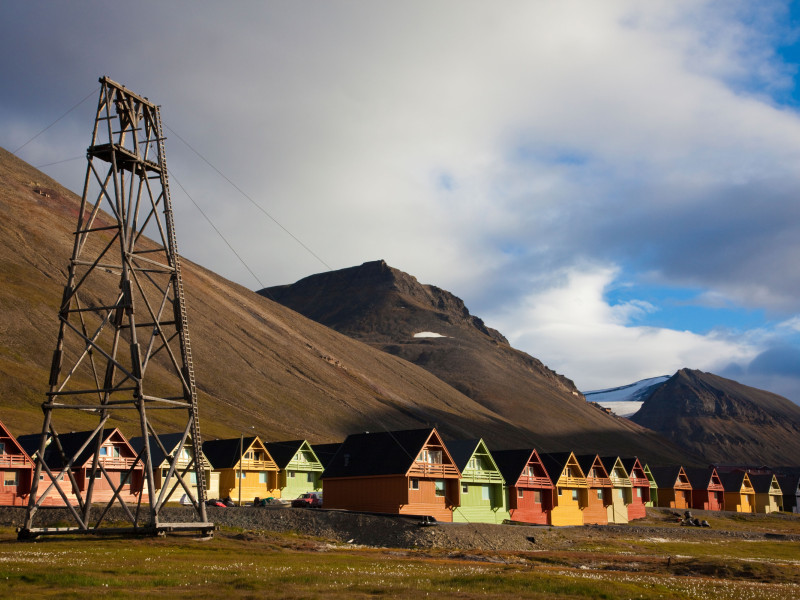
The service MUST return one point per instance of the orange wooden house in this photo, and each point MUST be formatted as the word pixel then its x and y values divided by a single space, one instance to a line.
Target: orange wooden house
pixel 529 488
pixel 400 472
pixel 674 489
pixel 739 493
pixel 599 490
pixel 640 488
pixel 123 473
pixel 16 470
pixel 244 468
pixel 707 490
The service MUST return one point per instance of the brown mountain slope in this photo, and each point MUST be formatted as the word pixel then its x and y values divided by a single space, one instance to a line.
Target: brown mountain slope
pixel 260 367
pixel 385 307
pixel 723 420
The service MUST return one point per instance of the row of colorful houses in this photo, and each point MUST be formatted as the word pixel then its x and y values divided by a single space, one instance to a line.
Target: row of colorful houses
pixel 411 472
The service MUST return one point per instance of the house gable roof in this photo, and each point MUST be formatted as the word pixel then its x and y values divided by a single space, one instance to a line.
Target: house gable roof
pixel 762 484
pixel 383 453
pixel 71 443
pixel 512 464
pixel 325 452
pixel 667 476
pixel 734 481
pixel 555 464
pixel 284 452
pixel 701 478
pixel 13 444
pixel 170 442
pixel 633 467
pixel 226 454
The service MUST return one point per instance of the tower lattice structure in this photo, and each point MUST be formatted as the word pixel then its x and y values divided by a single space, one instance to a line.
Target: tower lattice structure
pixel 123 352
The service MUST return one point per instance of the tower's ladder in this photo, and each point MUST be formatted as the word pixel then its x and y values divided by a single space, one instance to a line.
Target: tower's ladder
pixel 180 312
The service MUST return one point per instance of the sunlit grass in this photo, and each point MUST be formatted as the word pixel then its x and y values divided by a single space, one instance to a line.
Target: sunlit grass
pixel 237 564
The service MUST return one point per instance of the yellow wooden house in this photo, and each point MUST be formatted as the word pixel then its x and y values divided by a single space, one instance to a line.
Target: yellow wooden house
pixel 175 445
pixel 739 493
pixel 246 469
pixel 571 495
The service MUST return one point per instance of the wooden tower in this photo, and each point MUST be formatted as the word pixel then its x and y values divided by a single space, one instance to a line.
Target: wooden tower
pixel 122 317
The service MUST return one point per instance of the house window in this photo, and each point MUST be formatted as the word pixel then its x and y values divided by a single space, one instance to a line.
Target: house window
pixel 599 494
pixel 249 455
pixel 484 492
pixel 575 495
pixel 262 477
pixel 184 454
pixel 472 463
pixel 638 492
pixel 11 478
pixel 520 493
pixel 291 474
pixel 559 491
pixel 164 473
pixel 439 486
pixel 310 477
pixel 465 489
pixel 2 447
pixel 103 451
pixel 301 457
pixel 193 478
pixel 414 484
pixel 430 456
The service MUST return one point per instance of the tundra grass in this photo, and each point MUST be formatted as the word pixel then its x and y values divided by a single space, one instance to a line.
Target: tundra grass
pixel 253 565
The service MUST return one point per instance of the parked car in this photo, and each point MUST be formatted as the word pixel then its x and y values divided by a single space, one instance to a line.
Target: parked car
pixel 309 499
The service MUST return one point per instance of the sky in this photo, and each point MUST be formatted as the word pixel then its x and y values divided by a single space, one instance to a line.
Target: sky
pixel 613 185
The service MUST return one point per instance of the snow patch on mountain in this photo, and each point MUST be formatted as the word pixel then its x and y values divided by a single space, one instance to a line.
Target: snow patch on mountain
pixel 428 334
pixel 627 399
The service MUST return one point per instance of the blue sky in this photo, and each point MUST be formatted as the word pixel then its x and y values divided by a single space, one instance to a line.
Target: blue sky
pixel 613 185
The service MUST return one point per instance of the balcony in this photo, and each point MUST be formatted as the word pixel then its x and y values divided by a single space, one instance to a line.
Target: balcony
pixel 640 481
pixel 13 461
pixel 534 482
pixel 598 482
pixel 433 470
pixel 249 464
pixel 117 463
pixel 572 482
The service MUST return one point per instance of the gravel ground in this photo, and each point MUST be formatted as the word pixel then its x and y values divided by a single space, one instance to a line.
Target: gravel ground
pixel 398 532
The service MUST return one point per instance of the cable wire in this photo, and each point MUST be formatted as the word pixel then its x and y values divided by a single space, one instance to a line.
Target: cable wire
pixel 253 202
pixel 89 95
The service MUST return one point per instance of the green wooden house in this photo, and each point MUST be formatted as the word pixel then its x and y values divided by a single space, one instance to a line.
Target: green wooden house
pixel 653 487
pixel 299 469
pixel 483 499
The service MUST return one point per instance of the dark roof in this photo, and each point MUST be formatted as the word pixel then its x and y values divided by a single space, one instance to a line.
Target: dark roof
pixel 226 454
pixel 762 483
pixel 587 460
pixel 610 461
pixel 512 462
pixel 555 463
pixel 666 477
pixel 629 462
pixel 732 481
pixel 461 451
pixel 283 452
pixel 325 452
pixel 380 453
pixel 168 440
pixel 699 477
pixel 70 442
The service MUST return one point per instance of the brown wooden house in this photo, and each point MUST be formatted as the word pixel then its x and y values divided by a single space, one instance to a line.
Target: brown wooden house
pixel 16 470
pixel 640 488
pixel 707 490
pixel 529 489
pixel 400 472
pixel 123 473
pixel 599 490
pixel 674 489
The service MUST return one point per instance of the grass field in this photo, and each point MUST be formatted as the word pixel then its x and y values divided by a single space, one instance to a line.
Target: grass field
pixel 236 564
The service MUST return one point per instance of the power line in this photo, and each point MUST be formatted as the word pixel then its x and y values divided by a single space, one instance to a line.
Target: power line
pixel 253 202
pixel 89 95
pixel 219 233
pixel 58 162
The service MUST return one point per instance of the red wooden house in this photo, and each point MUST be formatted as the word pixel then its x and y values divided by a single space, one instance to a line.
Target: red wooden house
pixel 399 472
pixel 16 470
pixel 640 488
pixel 707 490
pixel 116 457
pixel 674 489
pixel 600 489
pixel 528 485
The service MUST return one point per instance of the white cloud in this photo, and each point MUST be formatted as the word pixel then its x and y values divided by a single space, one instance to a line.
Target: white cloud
pixel 574 330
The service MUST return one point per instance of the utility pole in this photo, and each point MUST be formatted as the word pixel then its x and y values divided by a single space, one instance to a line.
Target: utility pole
pixel 123 339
